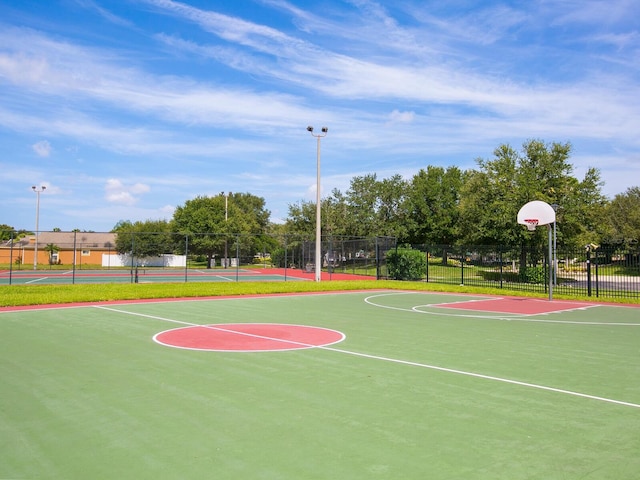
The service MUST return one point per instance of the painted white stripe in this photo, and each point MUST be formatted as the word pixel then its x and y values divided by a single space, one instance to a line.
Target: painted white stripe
pixel 413 364
pixel 502 317
pixel 226 330
pixel 154 317
pixel 485 377
pixel 36 280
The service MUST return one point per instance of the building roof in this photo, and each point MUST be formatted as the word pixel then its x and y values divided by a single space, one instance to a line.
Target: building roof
pixel 67 240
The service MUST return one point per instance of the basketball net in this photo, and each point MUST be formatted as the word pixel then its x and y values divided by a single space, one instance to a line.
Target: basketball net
pixel 532 223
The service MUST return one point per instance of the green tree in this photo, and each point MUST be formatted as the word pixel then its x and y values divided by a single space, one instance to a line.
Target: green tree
pixel 6 231
pixel 335 221
pixel 143 239
pixel 376 208
pixel 391 216
pixel 433 206
pixel 623 214
pixel 301 218
pixel 362 205
pixel 490 200
pixel 369 208
pixel 492 195
pixel 581 212
pixel 222 224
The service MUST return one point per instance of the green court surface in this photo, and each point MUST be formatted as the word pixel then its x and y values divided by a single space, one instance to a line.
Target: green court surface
pixel 359 385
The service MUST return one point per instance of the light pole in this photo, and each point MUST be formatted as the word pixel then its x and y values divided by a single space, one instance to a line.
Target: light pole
pixel 318 136
pixel 38 192
pixel 226 218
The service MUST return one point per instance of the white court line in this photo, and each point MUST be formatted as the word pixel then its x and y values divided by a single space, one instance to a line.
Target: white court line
pixel 485 377
pixel 503 317
pixel 405 362
pixel 222 329
pixel 36 280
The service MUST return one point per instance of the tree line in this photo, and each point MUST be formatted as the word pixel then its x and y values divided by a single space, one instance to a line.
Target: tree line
pixel 437 206
pixel 449 206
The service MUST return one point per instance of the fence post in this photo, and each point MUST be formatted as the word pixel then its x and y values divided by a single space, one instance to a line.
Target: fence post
pixel 11 258
pixel 500 260
pixel 462 267
pixel 237 258
pixel 588 271
pixel 427 260
pixel 377 260
pixel 75 252
pixel 331 259
pixel 186 257
pixel 546 274
pixel 286 253
pixel 597 279
pixel 133 244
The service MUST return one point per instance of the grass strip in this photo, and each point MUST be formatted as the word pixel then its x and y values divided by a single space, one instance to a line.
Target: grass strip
pixel 24 295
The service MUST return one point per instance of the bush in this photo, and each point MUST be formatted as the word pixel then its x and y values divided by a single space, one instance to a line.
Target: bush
pixel 406 264
pixel 532 275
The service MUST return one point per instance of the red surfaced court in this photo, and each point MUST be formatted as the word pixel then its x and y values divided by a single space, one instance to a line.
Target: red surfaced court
pixel 522 306
pixel 248 337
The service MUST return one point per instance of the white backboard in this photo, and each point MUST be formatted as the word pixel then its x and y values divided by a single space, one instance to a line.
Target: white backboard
pixel 536 210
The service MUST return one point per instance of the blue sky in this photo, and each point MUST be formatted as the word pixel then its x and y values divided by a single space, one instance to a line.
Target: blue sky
pixel 126 109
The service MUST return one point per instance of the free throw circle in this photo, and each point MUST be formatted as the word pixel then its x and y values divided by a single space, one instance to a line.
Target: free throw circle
pixel 248 337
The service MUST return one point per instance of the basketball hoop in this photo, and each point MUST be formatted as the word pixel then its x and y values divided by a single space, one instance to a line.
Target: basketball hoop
pixel 537 212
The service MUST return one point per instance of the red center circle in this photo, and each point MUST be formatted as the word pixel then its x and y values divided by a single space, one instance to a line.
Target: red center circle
pixel 248 337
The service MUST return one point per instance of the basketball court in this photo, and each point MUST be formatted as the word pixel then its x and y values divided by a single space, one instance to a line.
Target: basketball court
pixel 358 385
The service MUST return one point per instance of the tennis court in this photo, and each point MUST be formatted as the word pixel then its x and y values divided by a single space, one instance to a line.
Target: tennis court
pixel 350 385
pixel 166 275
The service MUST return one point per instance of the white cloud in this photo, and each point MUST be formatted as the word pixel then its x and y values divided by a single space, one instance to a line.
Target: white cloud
pixel 401 117
pixel 42 148
pixel 117 192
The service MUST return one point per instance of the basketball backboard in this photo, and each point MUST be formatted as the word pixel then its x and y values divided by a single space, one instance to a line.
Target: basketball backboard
pixel 536 213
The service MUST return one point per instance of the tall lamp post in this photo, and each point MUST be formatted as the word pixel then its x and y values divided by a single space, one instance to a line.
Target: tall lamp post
pixel 38 192
pixel 226 219
pixel 318 136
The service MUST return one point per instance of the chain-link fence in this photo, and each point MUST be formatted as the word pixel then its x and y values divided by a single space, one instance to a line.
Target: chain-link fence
pixel 179 256
pixel 590 272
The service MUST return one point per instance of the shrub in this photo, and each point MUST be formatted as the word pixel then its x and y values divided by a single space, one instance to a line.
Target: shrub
pixel 532 275
pixel 406 264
